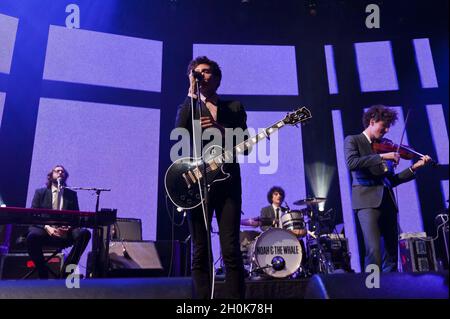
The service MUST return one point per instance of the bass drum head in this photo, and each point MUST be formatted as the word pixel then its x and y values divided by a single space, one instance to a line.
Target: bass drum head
pixel 279 249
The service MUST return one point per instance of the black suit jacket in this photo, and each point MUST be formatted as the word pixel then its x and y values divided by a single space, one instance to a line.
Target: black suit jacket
pixel 43 199
pixel 367 188
pixel 269 213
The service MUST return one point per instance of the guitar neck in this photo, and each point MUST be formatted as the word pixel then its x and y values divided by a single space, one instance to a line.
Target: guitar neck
pixel 248 144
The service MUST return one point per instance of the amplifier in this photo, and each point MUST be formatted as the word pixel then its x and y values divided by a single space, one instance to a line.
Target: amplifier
pixel 335 248
pixel 442 244
pixel 126 229
pixel 417 254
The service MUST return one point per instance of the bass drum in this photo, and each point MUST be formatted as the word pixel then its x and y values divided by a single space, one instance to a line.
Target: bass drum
pixel 277 252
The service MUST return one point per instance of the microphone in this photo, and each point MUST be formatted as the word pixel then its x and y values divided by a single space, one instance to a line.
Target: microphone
pixel 197 75
pixel 58 180
pixel 288 208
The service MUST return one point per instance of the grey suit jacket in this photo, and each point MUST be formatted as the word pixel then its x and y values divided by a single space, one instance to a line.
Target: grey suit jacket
pixel 367 188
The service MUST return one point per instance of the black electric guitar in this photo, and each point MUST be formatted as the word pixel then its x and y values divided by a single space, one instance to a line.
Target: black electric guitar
pixel 184 175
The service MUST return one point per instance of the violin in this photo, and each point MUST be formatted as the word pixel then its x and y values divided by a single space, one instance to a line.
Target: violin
pixel 385 145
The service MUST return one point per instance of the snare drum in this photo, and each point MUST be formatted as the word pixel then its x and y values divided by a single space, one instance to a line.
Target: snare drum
pixel 294 221
pixel 277 252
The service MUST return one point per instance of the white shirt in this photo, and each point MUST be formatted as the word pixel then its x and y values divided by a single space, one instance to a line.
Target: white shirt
pixel 279 214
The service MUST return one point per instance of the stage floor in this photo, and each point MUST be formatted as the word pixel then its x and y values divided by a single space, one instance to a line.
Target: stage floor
pixel 335 286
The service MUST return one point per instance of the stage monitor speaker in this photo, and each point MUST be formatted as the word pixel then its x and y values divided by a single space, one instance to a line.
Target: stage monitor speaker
pixel 148 259
pixel 127 229
pixel 134 259
pixel 430 285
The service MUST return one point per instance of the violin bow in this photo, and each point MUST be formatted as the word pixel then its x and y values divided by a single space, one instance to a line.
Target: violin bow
pixel 403 134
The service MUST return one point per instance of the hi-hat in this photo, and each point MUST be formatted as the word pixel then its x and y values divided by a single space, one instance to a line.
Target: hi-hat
pixel 310 201
pixel 256 222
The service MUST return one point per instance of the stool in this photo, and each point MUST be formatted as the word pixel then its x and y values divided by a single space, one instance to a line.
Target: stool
pixel 32 271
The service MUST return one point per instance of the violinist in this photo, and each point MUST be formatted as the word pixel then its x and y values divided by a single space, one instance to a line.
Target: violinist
pixel 372 169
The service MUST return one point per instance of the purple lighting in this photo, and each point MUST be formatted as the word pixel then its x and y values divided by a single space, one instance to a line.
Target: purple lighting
pixel 444 186
pixel 290 171
pixel 376 66
pixel 250 69
pixel 331 70
pixel 101 145
pixel 8 30
pixel 88 57
pixel 345 189
pixel 2 105
pixel 439 133
pixel 424 60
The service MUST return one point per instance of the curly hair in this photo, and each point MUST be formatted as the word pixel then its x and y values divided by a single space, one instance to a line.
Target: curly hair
pixel 215 68
pixel 50 176
pixel 273 190
pixel 379 113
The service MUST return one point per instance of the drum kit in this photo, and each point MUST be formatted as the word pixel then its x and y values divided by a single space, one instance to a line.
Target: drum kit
pixel 294 249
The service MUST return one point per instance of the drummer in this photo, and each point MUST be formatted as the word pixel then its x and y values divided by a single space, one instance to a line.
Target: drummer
pixel 273 212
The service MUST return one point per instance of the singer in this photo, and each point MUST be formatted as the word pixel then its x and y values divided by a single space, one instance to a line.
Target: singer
pixel 55 196
pixel 225 197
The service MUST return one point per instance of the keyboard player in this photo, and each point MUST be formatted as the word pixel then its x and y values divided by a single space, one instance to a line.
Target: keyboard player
pixel 55 196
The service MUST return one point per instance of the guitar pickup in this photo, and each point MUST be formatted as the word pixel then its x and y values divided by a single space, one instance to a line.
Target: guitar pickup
pixel 213 165
pixel 197 173
pixel 186 180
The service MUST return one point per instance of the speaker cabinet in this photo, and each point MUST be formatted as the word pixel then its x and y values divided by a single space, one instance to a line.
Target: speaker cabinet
pixel 17 265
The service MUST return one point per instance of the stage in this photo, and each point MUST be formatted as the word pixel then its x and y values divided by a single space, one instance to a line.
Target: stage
pixel 335 286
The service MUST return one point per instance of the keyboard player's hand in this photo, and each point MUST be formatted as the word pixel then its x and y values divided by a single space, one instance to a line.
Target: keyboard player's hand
pixel 57 231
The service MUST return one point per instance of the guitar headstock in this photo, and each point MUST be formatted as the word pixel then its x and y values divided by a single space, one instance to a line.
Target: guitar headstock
pixel 300 115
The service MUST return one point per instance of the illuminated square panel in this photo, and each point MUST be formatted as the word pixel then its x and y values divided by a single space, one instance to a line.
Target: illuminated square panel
pixel 88 57
pixel 253 69
pixel 376 66
pixel 101 145
pixel 8 30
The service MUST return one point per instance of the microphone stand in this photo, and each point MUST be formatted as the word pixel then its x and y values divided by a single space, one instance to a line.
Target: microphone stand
pixel 204 191
pixel 100 248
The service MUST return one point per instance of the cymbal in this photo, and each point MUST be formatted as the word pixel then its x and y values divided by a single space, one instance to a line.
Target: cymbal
pixel 310 201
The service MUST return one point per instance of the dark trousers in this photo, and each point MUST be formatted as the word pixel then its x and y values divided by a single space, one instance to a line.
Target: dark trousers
pixel 38 237
pixel 226 202
pixel 377 223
